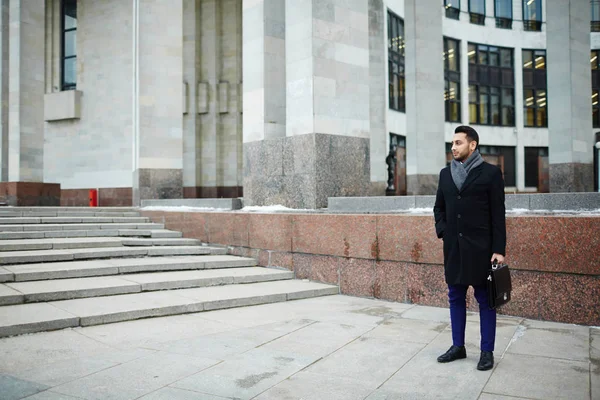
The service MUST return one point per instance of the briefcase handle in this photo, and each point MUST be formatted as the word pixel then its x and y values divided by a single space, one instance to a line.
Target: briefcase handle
pixel 495 265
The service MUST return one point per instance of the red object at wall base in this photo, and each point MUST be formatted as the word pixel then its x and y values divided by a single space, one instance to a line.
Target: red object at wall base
pixel 93 198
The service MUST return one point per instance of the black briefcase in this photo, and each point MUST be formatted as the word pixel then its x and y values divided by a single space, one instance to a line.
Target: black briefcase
pixel 499 285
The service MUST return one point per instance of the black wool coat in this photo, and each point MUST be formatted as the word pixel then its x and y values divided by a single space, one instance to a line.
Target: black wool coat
pixel 471 222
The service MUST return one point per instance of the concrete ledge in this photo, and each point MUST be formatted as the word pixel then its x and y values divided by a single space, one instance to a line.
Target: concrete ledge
pixel 62 105
pixel 542 201
pixel 224 204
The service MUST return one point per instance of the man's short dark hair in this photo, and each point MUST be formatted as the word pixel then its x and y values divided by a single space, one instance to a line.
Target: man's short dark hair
pixel 470 132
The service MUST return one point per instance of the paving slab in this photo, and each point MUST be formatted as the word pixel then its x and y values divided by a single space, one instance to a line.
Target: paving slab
pixel 9 295
pixel 368 359
pixel 308 386
pixel 136 378
pixel 50 395
pixel 60 372
pixel 246 375
pixel 60 289
pixel 595 362
pixel 409 330
pixel 540 378
pixel 27 318
pixel 15 388
pixel 61 270
pixel 170 393
pixel 571 342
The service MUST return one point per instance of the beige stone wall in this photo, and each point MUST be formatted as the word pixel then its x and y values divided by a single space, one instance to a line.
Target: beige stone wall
pixel 96 150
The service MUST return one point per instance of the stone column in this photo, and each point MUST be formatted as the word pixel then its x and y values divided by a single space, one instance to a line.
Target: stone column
pixel 378 101
pixel 264 98
pixel 159 162
pixel 26 90
pixel 4 51
pixel 569 104
pixel 324 150
pixel 425 148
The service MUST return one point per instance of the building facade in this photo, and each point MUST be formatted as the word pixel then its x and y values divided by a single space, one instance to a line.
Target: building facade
pixel 292 101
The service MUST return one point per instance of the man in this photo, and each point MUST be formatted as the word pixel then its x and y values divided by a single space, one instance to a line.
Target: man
pixel 470 218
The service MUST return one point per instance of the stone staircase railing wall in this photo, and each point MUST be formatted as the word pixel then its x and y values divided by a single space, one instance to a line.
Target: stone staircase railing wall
pixel 555 260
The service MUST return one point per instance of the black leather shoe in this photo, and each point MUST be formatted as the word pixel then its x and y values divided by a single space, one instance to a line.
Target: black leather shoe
pixel 486 361
pixel 453 353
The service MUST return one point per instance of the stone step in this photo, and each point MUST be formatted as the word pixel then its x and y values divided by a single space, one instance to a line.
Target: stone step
pixel 63 289
pixel 20 257
pixel 64 213
pixel 151 233
pixel 161 242
pixel 59 244
pixel 37 317
pixel 70 220
pixel 103 267
pixel 165 233
pixel 74 209
pixel 89 227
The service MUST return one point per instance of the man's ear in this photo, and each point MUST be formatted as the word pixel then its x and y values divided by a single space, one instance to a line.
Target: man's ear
pixel 473 145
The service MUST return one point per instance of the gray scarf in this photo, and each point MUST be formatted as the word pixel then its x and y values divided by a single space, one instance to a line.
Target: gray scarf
pixel 460 171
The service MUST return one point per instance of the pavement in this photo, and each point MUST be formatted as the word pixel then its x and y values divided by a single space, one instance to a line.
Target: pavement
pixel 327 348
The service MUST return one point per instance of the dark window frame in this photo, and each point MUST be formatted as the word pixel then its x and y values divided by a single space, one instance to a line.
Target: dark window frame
pixel 475 17
pixel 595 23
pixel 535 80
pixel 595 67
pixel 533 25
pixel 63 58
pixel 451 76
pixel 530 165
pixel 493 81
pixel 503 22
pixel 452 10
pixel 396 58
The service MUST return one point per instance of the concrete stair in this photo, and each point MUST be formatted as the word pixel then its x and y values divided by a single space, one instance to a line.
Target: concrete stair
pixel 65 267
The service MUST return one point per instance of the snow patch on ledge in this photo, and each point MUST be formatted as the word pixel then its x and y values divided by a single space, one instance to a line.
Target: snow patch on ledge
pixel 181 208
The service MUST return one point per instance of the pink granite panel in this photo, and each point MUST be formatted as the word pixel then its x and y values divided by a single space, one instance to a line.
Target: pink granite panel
pixel 570 298
pixel 221 227
pixel 390 281
pixel 525 295
pixel 557 244
pixel 302 265
pixel 270 231
pixel 357 276
pixel 408 238
pixel 426 285
pixel 282 259
pixel 340 235
pixel 195 225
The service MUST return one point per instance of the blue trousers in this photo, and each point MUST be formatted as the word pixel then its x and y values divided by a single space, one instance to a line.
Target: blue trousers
pixel 457 295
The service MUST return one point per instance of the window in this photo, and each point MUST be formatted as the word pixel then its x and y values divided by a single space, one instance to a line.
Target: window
pixel 452 8
pixel 532 15
pixel 452 79
pixel 534 88
pixel 477 11
pixel 536 168
pixel 503 12
pixel 397 100
pixel 595 15
pixel 595 64
pixel 491 85
pixel 69 48
pixel 504 158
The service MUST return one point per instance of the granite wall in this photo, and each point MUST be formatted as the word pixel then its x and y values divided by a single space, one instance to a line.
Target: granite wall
pixel 554 259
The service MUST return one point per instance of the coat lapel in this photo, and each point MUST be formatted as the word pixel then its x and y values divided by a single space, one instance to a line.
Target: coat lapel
pixel 473 174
